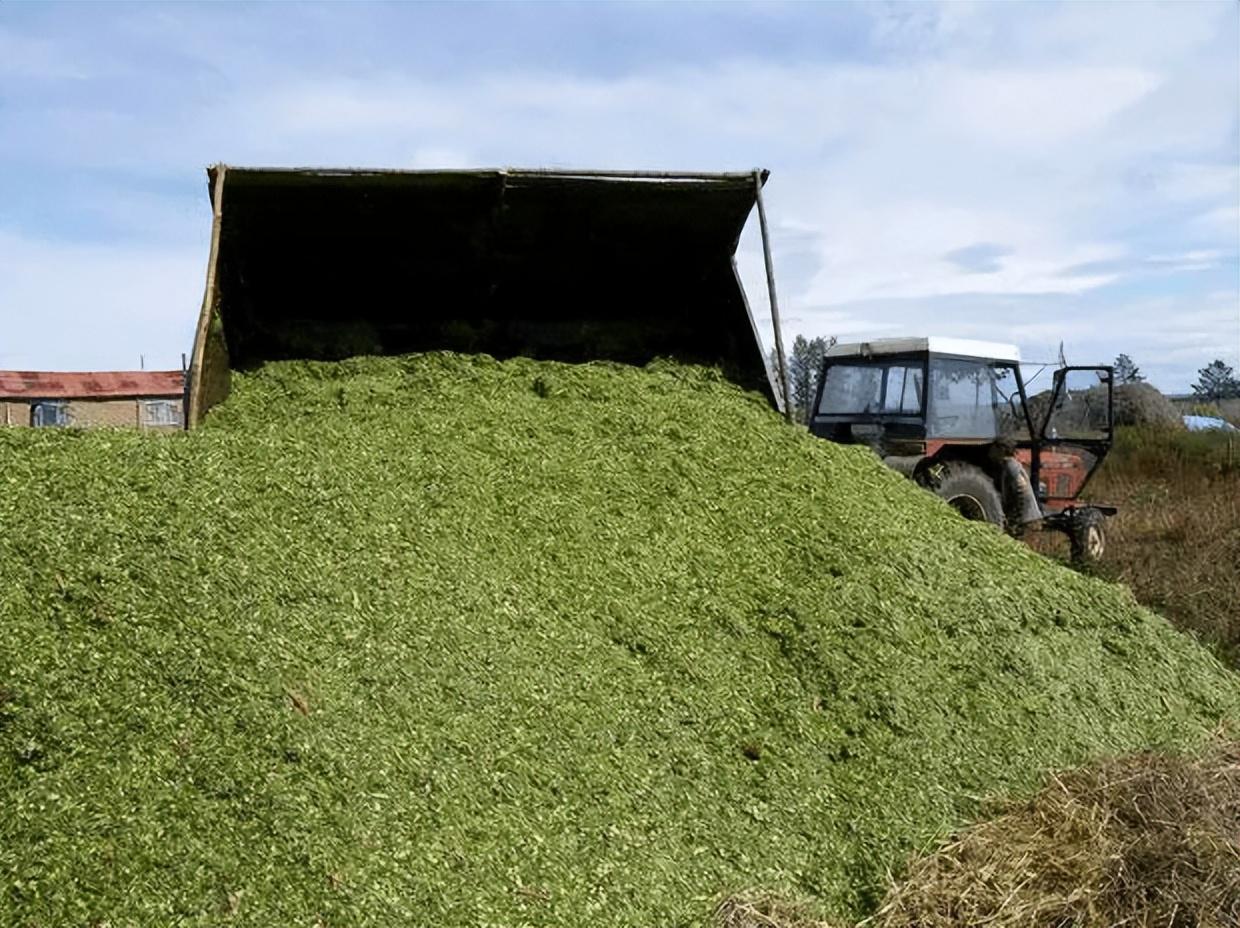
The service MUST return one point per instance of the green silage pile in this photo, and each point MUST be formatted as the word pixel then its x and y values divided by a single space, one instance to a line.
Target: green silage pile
pixel 444 641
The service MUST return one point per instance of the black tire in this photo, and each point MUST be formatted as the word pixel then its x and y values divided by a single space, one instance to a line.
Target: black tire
pixel 1088 536
pixel 969 491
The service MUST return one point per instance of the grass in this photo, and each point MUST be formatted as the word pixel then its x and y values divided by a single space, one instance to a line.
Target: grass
pixel 1176 539
pixel 441 640
pixel 1227 409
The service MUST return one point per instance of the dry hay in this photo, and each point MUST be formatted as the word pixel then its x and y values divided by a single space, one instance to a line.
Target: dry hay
pixel 756 909
pixel 1230 410
pixel 1146 840
pixel 1141 404
pixel 1132 404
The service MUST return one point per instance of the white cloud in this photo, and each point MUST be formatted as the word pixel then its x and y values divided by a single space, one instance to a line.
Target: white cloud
pixel 64 305
pixel 1014 108
pixel 1201 260
pixel 898 250
pixel 1087 144
pixel 936 130
pixel 1222 222
pixel 37 58
pixel 1203 181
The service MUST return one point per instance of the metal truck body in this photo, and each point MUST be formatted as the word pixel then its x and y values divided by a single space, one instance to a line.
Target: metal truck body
pixel 563 265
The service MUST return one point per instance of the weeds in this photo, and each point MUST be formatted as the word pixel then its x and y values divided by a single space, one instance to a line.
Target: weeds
pixel 1176 539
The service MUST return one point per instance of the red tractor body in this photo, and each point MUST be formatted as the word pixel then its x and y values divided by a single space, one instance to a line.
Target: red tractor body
pixel 954 415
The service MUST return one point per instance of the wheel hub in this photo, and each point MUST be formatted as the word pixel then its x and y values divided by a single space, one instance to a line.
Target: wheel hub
pixel 968 506
pixel 1094 542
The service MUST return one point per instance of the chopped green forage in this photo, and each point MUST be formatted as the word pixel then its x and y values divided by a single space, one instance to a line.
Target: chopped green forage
pixel 441 640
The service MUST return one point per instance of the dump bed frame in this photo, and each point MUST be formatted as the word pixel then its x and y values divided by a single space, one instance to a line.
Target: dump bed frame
pixel 566 265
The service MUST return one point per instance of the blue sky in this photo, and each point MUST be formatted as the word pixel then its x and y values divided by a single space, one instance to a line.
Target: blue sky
pixel 1011 171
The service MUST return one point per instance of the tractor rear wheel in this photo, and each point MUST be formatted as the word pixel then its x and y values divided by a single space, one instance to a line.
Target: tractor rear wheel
pixel 971 493
pixel 1087 535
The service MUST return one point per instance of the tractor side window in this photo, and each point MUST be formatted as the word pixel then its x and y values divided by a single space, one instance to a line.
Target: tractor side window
pixel 903 396
pixel 963 400
pixel 1011 408
pixel 851 388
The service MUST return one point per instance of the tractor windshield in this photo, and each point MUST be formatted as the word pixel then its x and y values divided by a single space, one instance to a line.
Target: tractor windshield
pixel 873 389
pixel 974 399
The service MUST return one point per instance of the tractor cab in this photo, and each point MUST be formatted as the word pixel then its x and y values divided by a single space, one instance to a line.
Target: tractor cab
pixel 953 415
pixel 913 395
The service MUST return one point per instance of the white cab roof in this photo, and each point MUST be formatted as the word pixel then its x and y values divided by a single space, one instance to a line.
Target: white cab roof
pixel 936 344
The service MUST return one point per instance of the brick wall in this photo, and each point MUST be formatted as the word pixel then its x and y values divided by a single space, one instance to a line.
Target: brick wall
pixel 14 413
pixel 91 414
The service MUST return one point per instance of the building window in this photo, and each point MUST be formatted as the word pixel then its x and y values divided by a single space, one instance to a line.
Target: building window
pixel 161 412
pixel 49 413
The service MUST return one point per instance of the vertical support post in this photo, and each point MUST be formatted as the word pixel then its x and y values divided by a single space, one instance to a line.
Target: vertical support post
pixel 193 410
pixel 770 288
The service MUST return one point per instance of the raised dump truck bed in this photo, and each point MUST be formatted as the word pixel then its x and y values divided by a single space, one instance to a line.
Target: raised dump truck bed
pixel 563 265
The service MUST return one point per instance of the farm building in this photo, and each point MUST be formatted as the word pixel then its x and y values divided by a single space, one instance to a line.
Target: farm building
pixel 141 399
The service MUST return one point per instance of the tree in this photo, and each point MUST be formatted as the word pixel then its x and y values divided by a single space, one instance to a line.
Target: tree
pixel 1216 381
pixel 802 376
pixel 1126 371
pixel 804 366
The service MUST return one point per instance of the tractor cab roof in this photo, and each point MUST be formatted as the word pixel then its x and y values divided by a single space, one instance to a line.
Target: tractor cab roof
pixel 934 344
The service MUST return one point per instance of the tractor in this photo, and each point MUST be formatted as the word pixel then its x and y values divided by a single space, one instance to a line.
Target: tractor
pixel 620 266
pixel 953 415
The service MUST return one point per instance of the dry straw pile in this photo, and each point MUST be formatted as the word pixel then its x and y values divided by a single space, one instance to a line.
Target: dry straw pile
pixel 1144 841
pixel 1142 404
pixel 1147 840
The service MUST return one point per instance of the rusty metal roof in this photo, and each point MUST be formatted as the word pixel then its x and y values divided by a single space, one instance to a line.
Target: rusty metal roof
pixel 54 385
